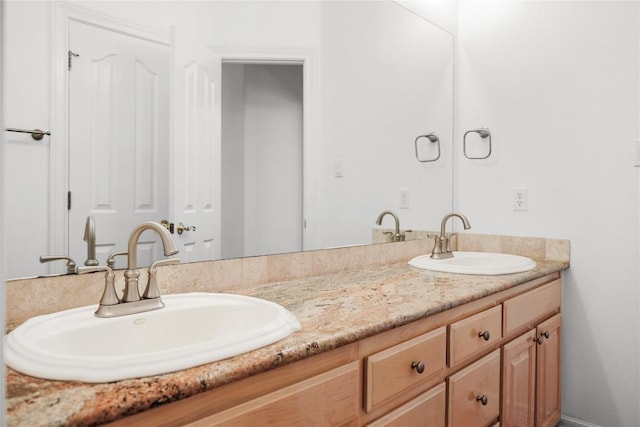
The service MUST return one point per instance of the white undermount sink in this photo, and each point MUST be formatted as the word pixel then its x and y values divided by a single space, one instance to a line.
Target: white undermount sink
pixel 476 263
pixel 192 329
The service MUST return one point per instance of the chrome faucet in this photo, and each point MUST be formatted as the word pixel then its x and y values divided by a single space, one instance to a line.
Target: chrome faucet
pixel 90 238
pixel 131 302
pixel 397 237
pixel 131 291
pixel 441 246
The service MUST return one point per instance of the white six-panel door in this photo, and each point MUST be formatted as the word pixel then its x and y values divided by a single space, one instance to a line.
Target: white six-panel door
pixel 118 139
pixel 195 148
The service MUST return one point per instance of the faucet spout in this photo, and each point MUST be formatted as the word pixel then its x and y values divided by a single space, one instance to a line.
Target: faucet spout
pixel 441 245
pixel 443 224
pixel 90 238
pixel 397 236
pixel 131 291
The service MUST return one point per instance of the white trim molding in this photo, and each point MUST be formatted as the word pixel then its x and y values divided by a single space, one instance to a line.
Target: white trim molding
pixel 566 421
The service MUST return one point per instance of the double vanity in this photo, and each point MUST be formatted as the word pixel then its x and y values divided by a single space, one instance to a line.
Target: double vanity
pixel 381 342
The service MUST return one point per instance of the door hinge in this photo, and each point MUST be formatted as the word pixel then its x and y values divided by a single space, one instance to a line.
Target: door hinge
pixel 70 55
pixel 68 200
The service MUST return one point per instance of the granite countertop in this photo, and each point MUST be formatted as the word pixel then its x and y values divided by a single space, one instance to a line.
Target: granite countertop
pixel 334 310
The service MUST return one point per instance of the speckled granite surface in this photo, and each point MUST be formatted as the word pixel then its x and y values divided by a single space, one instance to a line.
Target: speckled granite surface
pixel 334 310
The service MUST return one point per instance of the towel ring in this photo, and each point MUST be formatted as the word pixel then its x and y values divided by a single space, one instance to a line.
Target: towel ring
pixel 433 138
pixel 484 133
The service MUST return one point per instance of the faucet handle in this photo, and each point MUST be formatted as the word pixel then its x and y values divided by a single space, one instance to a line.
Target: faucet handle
pixel 152 291
pixel 111 260
pixel 403 235
pixel 109 296
pixel 71 264
pixel 449 237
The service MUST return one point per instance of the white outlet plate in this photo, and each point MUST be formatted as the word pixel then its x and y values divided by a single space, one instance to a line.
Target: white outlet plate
pixel 338 167
pixel 520 199
pixel 404 198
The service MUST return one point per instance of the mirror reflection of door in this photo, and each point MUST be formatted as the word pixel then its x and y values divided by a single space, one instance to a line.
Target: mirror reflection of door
pixel 118 139
pixel 262 155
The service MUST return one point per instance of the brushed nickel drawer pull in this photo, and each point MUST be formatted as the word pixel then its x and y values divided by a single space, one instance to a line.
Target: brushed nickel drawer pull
pixel 485 335
pixel 418 366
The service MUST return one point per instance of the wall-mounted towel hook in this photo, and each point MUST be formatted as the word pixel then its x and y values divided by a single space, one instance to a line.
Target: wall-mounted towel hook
pixel 484 134
pixel 433 138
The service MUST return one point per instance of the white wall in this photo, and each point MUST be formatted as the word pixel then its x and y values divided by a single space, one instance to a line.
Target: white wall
pixel 273 159
pixel 28 172
pixel 557 84
pixel 443 13
pixel 376 101
pixel 232 146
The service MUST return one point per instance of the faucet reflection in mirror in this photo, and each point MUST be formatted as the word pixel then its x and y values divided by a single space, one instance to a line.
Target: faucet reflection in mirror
pixel 441 248
pixel 396 236
pixel 131 302
pixel 90 238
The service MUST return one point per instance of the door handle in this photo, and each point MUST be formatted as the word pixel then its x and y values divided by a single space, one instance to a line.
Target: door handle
pixel 182 228
pixel 168 225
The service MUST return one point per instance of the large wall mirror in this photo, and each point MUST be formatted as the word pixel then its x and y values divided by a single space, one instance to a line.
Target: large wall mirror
pixel 260 127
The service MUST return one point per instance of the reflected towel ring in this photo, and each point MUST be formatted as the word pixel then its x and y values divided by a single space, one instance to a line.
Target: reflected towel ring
pixel 433 138
pixel 484 133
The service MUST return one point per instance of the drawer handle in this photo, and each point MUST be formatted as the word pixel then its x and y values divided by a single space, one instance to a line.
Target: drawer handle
pixel 418 366
pixel 483 399
pixel 542 337
pixel 485 335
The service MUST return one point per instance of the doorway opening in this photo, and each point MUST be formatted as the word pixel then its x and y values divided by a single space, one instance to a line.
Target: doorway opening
pixel 262 158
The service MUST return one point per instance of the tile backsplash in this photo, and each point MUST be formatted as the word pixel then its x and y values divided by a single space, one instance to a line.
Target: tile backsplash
pixel 30 297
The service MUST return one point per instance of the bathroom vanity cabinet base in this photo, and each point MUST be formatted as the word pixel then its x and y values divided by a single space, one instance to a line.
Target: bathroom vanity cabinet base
pixel 492 361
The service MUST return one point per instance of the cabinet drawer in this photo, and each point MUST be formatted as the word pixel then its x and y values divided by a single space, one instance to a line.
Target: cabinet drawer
pixel 428 409
pixel 525 311
pixel 470 336
pixel 326 399
pixel 396 369
pixel 474 393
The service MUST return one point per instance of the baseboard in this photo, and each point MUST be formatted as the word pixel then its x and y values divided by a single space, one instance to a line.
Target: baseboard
pixel 566 421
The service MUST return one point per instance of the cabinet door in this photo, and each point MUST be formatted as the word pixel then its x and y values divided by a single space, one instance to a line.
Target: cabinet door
pixel 474 393
pixel 519 381
pixel 548 389
pixel 426 410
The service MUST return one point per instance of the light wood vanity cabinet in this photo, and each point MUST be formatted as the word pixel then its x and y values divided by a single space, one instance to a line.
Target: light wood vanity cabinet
pixel 326 399
pixel 397 369
pixel 470 336
pixel 474 393
pixel 494 361
pixel 519 381
pixel 428 409
pixel 503 363
pixel 548 378
pixel 532 361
